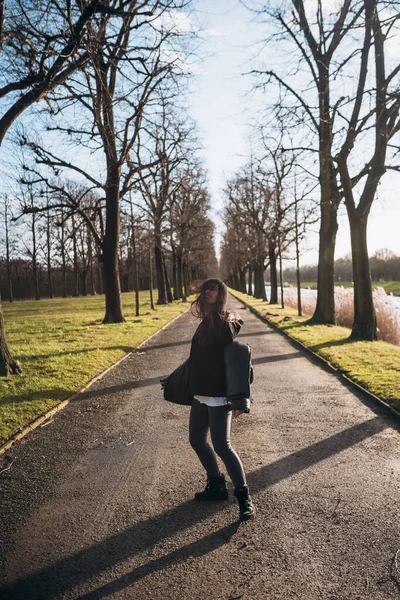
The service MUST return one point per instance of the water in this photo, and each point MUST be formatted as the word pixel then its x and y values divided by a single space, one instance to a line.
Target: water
pixel 395 300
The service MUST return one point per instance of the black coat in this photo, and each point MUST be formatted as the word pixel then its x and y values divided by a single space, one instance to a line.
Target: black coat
pixel 239 375
pixel 207 361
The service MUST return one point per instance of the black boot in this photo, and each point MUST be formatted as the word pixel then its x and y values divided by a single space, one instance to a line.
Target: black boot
pixel 246 506
pixel 215 489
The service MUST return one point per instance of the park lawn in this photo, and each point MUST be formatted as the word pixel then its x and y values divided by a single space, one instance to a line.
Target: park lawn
pixel 62 344
pixel 390 287
pixel 374 365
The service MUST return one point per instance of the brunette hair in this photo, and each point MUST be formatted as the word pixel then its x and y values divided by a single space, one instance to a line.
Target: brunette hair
pixel 212 316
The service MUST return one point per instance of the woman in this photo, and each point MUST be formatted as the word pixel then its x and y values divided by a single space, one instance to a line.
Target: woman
pixel 210 409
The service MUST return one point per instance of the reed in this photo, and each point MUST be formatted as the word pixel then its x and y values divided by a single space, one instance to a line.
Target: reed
pixel 388 318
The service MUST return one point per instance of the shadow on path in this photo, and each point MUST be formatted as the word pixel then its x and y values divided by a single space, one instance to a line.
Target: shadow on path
pixel 60 394
pixel 72 570
pixel 275 358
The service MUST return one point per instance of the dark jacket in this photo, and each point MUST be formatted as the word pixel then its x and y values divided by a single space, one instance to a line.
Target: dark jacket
pixel 237 358
pixel 239 375
pixel 207 363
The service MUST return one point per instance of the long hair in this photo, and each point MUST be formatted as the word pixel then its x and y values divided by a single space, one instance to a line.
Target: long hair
pixel 212 316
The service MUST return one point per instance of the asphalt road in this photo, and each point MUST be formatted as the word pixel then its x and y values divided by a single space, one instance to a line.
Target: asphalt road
pixel 98 503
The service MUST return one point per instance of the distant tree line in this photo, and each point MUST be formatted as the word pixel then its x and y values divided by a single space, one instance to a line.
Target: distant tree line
pixel 384 265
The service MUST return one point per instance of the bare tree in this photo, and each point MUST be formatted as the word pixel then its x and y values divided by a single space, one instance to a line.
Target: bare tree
pixel 189 228
pixel 315 45
pixel 39 49
pixel 376 109
pixel 127 64
pixel 7 220
pixel 169 141
pixel 41 46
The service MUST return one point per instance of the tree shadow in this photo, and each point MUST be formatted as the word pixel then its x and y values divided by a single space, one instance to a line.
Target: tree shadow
pixel 60 394
pixel 70 571
pixel 254 333
pixel 145 348
pixel 196 549
pixel 125 349
pixel 275 358
pixel 329 344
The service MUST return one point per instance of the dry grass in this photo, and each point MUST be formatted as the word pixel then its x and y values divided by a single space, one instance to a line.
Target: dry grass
pixel 388 318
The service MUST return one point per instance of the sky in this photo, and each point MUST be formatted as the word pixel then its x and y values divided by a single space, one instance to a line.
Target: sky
pixel 222 106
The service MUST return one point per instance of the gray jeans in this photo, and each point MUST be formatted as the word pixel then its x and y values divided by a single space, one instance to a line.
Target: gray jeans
pixel 217 419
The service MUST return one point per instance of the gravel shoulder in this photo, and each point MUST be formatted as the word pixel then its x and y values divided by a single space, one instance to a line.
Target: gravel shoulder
pixel 98 503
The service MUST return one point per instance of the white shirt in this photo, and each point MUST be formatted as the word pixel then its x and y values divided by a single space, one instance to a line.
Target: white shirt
pixel 212 400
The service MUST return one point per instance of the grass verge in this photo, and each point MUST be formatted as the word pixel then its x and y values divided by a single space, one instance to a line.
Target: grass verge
pixel 373 365
pixel 62 344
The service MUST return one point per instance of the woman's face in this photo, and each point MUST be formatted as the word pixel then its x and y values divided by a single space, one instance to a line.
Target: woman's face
pixel 212 295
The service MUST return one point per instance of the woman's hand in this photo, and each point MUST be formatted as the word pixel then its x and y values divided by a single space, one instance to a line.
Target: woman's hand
pixel 237 413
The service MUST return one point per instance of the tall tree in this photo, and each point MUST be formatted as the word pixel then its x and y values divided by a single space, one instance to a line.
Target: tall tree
pixel 128 62
pixel 382 118
pixel 169 141
pixel 315 39
pixel 40 47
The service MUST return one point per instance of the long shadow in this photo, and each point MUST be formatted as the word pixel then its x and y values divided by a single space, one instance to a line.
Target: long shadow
pixel 125 349
pixel 145 348
pixel 345 342
pixel 253 333
pixel 196 549
pixel 59 394
pixel 275 358
pixel 72 570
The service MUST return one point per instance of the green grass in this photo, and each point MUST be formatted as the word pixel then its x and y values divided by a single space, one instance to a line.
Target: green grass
pixel 62 344
pixel 374 365
pixel 390 287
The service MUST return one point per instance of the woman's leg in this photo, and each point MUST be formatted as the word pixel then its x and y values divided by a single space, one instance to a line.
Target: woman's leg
pixel 198 429
pixel 220 418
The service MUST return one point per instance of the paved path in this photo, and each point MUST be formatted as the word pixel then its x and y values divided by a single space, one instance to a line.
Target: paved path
pixel 98 503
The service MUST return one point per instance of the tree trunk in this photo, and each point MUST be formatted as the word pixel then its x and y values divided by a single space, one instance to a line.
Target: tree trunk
pixel 63 257
pixel 8 366
pixel 179 275
pixel 75 292
pixel 48 253
pixel 242 280
pixel 250 280
pixel 90 262
pixel 160 274
pixel 236 282
pixel 296 213
pixel 273 273
pixel 185 280
pixel 281 275
pixel 167 282
pixel 112 284
pixel 364 325
pixel 83 274
pixel 175 275
pixel 325 308
pixel 259 286
pixel 135 272
pixel 34 258
pixel 151 280
pixel 9 278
